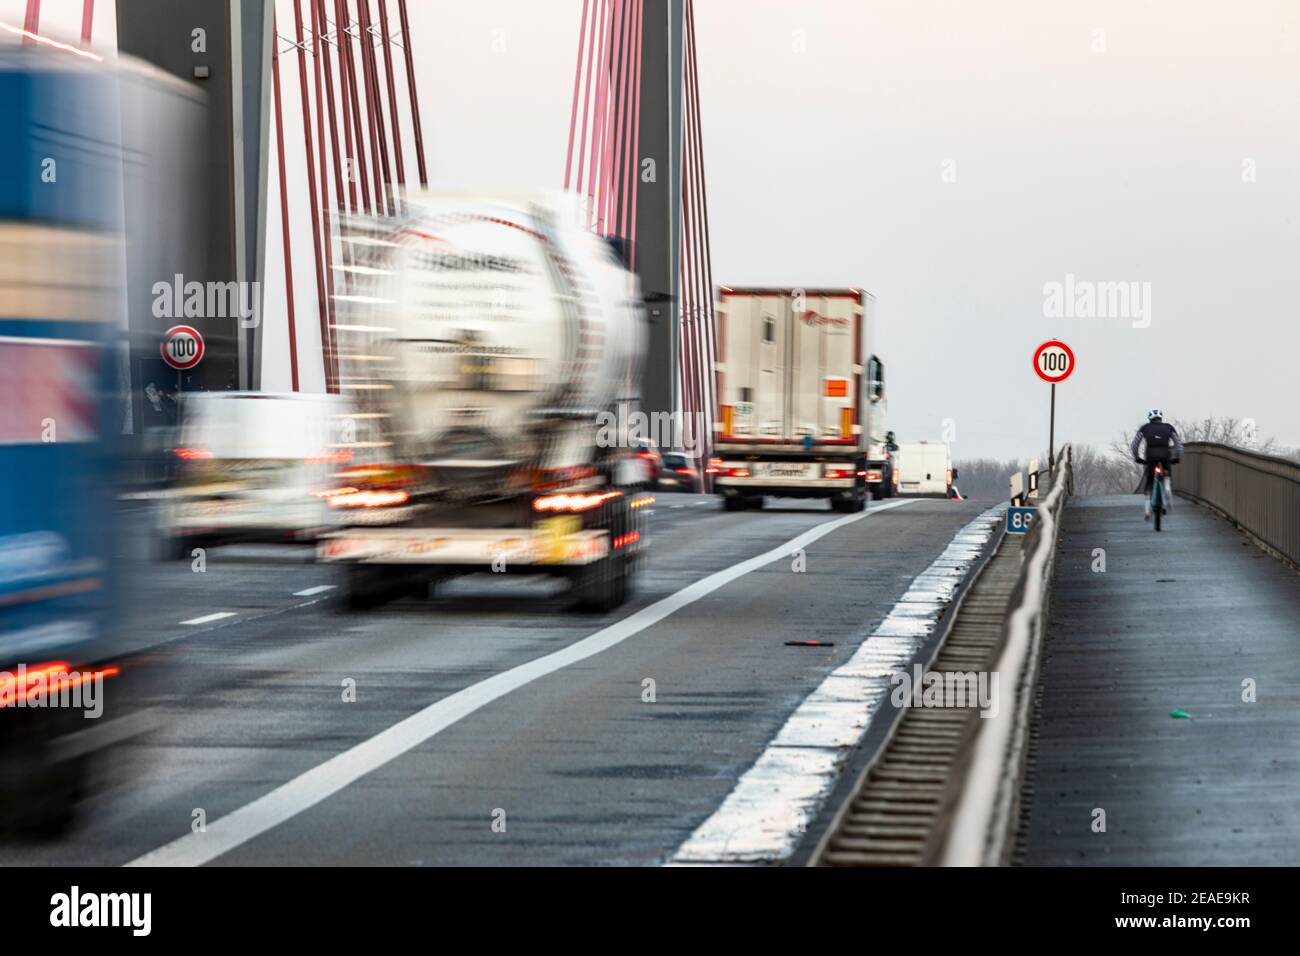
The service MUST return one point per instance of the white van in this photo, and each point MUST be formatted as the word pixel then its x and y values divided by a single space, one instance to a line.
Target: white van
pixel 924 469
pixel 250 466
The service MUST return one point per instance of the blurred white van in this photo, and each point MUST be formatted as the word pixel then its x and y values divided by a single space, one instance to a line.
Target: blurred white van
pixel 250 466
pixel 924 468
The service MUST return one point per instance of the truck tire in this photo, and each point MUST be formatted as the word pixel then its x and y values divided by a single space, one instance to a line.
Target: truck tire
pixel 734 503
pixel 48 805
pixel 368 586
pixel 757 502
pixel 601 586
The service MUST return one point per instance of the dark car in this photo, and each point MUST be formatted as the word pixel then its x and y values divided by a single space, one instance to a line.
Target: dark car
pixel 677 472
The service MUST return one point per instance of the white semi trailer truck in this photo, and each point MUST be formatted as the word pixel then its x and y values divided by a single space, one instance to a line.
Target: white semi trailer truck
pixel 801 398
pixel 487 342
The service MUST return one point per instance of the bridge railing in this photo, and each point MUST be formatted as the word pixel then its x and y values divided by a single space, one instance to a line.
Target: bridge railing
pixel 983 819
pixel 1259 493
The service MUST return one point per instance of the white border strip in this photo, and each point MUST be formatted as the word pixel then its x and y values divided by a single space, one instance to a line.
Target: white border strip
pixel 765 817
pixel 328 778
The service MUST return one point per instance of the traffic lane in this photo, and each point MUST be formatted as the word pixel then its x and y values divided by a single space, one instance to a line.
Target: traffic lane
pixel 1178 621
pixel 159 599
pixel 246 703
pixel 581 769
pixel 224 582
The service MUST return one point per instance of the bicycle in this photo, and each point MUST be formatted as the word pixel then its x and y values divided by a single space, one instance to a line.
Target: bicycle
pixel 1157 492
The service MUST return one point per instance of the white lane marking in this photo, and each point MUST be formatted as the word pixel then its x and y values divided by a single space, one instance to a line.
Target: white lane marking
pixel 318 589
pixel 328 778
pixel 207 618
pixel 766 814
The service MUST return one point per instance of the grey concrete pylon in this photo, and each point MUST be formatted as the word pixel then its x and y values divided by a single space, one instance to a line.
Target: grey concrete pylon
pixel 659 203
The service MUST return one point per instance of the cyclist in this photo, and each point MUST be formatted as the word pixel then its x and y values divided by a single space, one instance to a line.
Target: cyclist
pixel 1163 446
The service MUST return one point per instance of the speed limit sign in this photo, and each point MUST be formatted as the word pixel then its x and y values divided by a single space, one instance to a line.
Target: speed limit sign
pixel 1054 361
pixel 182 347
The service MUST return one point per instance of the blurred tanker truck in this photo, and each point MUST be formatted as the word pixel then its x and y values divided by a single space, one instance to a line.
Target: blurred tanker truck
pixel 491 346
pixel 801 399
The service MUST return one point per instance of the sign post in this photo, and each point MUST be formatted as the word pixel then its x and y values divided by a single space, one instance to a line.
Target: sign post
pixel 1053 362
pixel 182 349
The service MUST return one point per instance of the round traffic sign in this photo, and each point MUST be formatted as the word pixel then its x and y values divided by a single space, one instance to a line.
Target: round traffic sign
pixel 1054 361
pixel 182 347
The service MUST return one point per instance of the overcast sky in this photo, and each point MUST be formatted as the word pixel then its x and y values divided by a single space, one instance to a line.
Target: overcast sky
pixel 955 158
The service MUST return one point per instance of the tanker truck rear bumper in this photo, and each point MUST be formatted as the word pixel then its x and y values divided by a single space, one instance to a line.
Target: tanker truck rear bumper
pixel 486 549
pixel 380 564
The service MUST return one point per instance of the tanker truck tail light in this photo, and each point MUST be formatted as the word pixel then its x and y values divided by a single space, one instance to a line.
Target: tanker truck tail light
pixel 573 503
pixel 364 497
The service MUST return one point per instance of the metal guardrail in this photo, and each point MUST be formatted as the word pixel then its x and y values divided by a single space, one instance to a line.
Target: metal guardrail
pixel 1259 493
pixel 981 829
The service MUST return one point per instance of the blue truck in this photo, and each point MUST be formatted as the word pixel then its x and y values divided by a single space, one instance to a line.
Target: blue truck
pixel 61 282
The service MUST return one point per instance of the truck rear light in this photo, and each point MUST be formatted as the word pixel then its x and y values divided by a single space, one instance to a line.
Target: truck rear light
pixel 735 472
pixel 715 465
pixel 838 471
pixel 949 476
pixel 364 498
pixel 895 476
pixel 192 454
pixel 871 475
pixel 30 683
pixel 572 503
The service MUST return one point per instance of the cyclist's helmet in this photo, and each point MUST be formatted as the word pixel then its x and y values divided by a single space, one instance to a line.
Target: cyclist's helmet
pixel 1154 414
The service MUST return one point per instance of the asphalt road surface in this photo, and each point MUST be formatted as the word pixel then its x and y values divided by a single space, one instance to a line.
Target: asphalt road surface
pixel 251 736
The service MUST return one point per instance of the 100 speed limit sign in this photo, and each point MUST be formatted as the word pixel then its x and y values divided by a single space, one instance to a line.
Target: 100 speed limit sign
pixel 182 347
pixel 1054 361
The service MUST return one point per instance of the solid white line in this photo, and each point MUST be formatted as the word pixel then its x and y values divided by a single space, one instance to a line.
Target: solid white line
pixel 767 812
pixel 318 589
pixel 328 778
pixel 209 617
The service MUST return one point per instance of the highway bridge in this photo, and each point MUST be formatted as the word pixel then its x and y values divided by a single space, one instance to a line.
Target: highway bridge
pixel 740 709
pixel 768 695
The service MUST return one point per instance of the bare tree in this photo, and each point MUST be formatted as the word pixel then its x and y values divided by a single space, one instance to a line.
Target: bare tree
pixel 985 478
pixel 1228 430
pixel 1104 471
